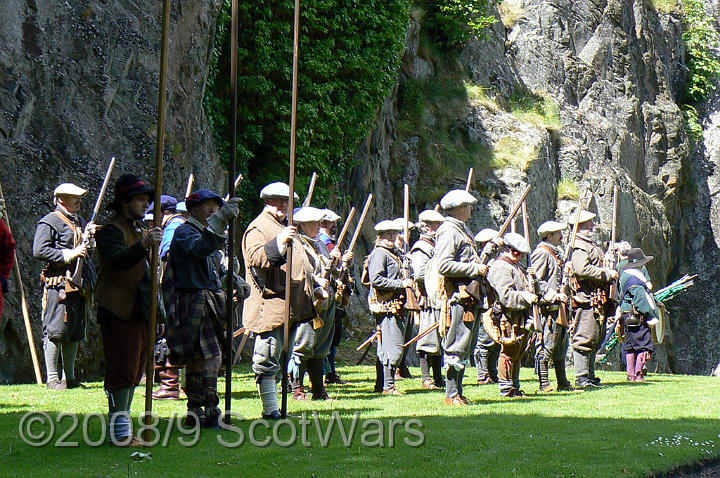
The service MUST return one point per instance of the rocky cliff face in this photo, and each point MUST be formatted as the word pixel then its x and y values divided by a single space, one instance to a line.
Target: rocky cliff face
pixel 79 84
pixel 615 70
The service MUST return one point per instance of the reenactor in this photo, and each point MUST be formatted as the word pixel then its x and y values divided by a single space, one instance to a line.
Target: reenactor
pixel 265 246
pixel 591 292
pixel 68 279
pixel 313 339
pixel 386 301
pixel 487 351
pixel 552 343
pixel 460 290
pixel 428 347
pixel 196 312
pixel 123 298
pixel 328 231
pixel 513 307
pixel 639 312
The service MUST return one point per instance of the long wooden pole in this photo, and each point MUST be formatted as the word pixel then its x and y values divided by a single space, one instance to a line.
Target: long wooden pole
pixel 469 180
pixel 291 198
pixel 159 151
pixel 24 306
pixel 230 281
pixel 311 189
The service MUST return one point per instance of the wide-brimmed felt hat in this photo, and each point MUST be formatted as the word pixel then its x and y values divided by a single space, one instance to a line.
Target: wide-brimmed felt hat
pixel 127 186
pixel 637 258
pixel 585 216
pixel 201 195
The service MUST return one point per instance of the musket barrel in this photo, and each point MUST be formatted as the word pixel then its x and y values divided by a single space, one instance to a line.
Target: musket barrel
pixel 346 227
pixel 514 211
pixel 103 189
pixel 356 234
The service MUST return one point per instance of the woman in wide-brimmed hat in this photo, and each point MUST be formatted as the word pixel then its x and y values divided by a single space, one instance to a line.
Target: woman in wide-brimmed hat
pixel 639 313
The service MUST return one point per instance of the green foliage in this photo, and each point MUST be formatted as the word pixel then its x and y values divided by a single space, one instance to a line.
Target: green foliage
pixel 568 189
pixel 454 22
pixel 702 41
pixel 540 109
pixel 348 56
pixel 692 123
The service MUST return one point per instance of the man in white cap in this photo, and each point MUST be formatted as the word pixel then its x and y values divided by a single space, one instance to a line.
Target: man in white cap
pixel 546 259
pixel 59 242
pixel 487 351
pixel 265 246
pixel 591 298
pixel 461 270
pixel 328 231
pixel 428 347
pixel 386 301
pixel 313 339
pixel 514 307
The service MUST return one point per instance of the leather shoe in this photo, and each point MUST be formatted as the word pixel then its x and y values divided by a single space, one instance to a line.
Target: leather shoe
pixel 74 383
pixel 584 384
pixel 392 391
pixel 165 394
pixel 274 415
pixel 547 388
pixel 299 395
pixel 334 378
pixel 455 401
pixel 429 385
pixel 56 385
pixel 565 387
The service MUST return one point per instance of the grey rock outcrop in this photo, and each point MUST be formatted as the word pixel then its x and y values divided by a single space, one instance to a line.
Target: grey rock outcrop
pixel 79 84
pixel 615 69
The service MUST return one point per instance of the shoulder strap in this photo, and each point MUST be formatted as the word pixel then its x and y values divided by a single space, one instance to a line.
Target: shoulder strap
pixel 631 282
pixel 550 250
pixel 71 225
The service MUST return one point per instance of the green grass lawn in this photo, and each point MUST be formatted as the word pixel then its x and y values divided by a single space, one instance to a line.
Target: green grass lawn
pixel 621 430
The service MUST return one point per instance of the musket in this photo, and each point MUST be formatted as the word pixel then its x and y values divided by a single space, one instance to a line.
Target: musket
pixel 356 234
pixel 376 336
pixel 237 182
pixel 24 305
pixel 311 190
pixel 532 279
pixel 614 295
pixel 411 300
pixel 190 183
pixel 503 229
pixel 469 180
pixel 422 334
pixel 76 277
pixel 566 310
pixel 346 227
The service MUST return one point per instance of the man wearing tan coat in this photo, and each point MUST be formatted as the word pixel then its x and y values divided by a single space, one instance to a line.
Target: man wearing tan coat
pixel 264 247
